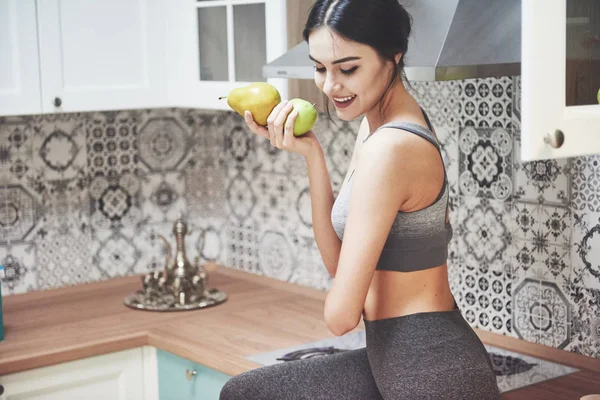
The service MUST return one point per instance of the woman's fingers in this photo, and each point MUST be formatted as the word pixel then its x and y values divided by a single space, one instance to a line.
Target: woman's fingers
pixel 272 118
pixel 254 127
pixel 279 124
pixel 288 135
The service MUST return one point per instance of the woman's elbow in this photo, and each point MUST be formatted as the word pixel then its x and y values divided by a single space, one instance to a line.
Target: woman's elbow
pixel 339 323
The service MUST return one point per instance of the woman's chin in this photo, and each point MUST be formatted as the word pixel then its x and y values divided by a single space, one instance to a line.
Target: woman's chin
pixel 345 115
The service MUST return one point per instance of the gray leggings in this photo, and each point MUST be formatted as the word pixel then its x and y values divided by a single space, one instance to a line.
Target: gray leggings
pixel 433 355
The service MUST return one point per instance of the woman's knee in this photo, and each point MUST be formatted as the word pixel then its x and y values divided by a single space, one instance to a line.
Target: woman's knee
pixel 232 389
pixel 238 387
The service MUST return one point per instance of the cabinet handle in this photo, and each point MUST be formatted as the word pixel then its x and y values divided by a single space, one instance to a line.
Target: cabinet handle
pixel 556 139
pixel 190 374
pixel 57 102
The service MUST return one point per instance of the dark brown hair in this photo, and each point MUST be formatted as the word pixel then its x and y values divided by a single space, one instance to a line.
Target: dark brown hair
pixel 385 25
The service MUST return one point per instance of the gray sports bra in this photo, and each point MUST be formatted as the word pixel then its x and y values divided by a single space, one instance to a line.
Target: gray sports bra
pixel 417 240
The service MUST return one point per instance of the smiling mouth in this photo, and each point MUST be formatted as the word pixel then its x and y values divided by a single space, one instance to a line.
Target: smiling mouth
pixel 343 102
pixel 344 99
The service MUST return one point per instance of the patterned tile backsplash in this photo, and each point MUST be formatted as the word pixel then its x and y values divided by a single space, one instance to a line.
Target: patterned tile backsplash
pixel 84 197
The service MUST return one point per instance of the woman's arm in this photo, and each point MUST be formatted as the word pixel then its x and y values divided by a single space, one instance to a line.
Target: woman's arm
pixel 380 186
pixel 321 197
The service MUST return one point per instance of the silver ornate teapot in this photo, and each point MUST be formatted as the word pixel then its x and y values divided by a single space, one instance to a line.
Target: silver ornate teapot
pixel 181 285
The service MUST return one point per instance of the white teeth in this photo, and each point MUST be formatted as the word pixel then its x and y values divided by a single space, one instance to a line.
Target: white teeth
pixel 344 99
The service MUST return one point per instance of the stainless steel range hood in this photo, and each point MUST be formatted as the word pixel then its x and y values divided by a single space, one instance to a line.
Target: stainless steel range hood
pixel 451 39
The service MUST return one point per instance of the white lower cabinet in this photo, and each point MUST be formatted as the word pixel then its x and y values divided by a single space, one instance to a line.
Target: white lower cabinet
pixel 125 375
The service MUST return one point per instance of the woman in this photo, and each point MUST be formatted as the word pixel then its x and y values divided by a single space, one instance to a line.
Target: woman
pixel 385 238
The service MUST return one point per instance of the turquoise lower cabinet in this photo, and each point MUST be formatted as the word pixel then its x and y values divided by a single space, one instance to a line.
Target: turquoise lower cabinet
pixel 181 379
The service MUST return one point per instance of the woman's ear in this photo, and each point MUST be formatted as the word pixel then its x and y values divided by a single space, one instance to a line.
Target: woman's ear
pixel 398 57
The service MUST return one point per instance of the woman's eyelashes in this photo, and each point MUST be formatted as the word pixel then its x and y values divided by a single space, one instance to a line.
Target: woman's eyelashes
pixel 349 71
pixel 343 71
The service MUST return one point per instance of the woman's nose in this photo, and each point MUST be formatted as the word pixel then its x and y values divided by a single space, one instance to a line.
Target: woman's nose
pixel 330 86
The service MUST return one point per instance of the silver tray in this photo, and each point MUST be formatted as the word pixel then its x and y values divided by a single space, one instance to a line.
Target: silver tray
pixel 139 301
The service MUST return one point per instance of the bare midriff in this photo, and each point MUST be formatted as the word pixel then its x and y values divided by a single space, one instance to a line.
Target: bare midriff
pixel 395 294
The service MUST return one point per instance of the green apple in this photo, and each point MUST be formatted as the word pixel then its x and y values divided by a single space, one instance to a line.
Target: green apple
pixel 598 96
pixel 307 116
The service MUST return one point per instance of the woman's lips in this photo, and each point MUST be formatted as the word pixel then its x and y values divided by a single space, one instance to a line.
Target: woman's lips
pixel 344 104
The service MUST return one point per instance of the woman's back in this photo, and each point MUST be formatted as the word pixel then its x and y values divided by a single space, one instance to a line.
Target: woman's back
pixel 412 273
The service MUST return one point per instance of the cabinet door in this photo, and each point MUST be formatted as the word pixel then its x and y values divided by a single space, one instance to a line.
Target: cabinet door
pixel 115 376
pixel 101 54
pixel 181 379
pixel 216 45
pixel 19 63
pixel 560 78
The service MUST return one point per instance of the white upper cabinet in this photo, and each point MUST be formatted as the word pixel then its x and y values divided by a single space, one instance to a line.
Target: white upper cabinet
pixel 214 46
pixel 560 78
pixel 94 55
pixel 19 63
pixel 101 54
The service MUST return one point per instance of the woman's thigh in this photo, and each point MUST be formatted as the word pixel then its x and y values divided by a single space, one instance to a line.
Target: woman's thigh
pixel 430 356
pixel 344 375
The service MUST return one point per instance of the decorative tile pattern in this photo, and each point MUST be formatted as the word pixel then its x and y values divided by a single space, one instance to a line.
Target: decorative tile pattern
pixel 440 100
pixel 240 196
pixel 116 255
pixel 64 257
pixel 146 238
pixel 555 316
pixel 585 327
pixel 309 267
pixel 209 243
pixel 163 197
pixel 542 236
pixel 16 135
pixel 586 181
pixel 484 233
pixel 272 159
pixel 585 252
pixel 163 143
pixel 65 199
pixel 59 149
pixel 486 102
pixel 18 214
pixel 516 98
pixel 295 165
pixel 526 299
pixel 114 201
pixel 485 163
pixel 242 246
pixel 205 192
pixel 455 278
pixel 485 298
pixel 206 127
pixel 547 181
pixel 276 195
pixel 275 255
pixel 112 144
pixel 303 207
pixel 19 268
pixel 448 140
pixel 339 150
pixel 542 313
pixel 240 144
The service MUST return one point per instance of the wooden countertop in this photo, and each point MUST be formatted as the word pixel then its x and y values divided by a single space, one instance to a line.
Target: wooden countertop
pixel 260 315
